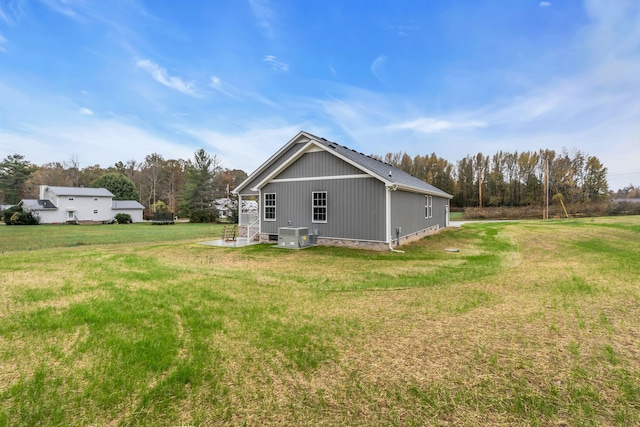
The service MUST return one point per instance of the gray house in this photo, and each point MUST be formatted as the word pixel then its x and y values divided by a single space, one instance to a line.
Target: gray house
pixel 342 196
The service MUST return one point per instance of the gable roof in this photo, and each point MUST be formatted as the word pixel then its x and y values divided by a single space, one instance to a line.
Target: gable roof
pixel 390 175
pixel 80 191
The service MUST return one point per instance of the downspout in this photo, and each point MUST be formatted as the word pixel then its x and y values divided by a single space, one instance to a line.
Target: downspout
pixel 388 202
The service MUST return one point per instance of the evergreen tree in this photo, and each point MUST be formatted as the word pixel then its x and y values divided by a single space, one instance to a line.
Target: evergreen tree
pixel 198 190
pixel 14 173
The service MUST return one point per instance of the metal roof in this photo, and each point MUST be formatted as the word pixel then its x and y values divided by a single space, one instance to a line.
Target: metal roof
pixel 382 170
pixel 126 204
pixel 385 172
pixel 80 191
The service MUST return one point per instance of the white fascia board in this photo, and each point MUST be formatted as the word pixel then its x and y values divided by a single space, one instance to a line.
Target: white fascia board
pixel 296 139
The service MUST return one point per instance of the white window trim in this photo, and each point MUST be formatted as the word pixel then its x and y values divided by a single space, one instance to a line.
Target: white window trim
pixel 428 206
pixel 326 207
pixel 264 211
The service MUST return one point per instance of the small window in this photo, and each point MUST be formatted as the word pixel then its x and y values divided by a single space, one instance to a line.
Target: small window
pixel 95 199
pixel 319 206
pixel 270 207
pixel 95 211
pixel 428 207
pixel 70 198
pixel 71 215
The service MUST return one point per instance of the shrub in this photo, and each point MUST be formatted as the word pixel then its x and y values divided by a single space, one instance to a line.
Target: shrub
pixel 16 216
pixel 202 216
pixel 123 218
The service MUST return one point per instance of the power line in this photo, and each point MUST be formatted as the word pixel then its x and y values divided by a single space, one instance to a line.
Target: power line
pixel 620 174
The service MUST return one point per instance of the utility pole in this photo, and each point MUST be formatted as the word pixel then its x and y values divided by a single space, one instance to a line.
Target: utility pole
pixel 545 210
pixel 480 188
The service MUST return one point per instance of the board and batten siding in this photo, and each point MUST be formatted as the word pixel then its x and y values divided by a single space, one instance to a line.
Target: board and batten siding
pixel 408 212
pixel 318 164
pixel 355 207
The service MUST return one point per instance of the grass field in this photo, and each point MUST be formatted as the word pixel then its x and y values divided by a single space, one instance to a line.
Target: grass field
pixel 530 323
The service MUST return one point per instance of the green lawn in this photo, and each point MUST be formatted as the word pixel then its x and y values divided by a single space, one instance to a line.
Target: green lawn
pixel 530 323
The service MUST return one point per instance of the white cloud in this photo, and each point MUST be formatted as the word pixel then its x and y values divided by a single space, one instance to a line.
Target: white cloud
pixel 275 64
pixel 265 16
pixel 224 88
pixel 86 112
pixel 431 125
pixel 2 41
pixel 545 4
pixel 160 75
pixel 3 16
pixel 63 7
pixel 377 67
pixel 250 147
pixel 96 139
pixel 233 92
pixel 404 30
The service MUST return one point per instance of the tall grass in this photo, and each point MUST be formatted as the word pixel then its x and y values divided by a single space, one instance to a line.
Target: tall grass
pixel 531 323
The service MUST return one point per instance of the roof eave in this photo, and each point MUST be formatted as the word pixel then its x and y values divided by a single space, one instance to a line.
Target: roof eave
pixel 420 191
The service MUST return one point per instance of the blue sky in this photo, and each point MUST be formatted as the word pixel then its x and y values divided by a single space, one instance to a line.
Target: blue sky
pixel 104 81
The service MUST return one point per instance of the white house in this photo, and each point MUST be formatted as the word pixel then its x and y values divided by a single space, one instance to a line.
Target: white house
pixel 78 204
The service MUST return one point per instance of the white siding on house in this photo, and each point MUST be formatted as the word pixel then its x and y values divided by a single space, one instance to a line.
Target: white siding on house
pixel 82 205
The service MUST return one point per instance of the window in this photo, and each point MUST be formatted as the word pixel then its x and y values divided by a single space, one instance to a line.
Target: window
pixel 428 207
pixel 70 198
pixel 270 206
pixel 95 199
pixel 95 211
pixel 70 215
pixel 319 206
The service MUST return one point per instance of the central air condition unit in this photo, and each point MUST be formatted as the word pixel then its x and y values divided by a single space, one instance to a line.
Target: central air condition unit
pixel 293 237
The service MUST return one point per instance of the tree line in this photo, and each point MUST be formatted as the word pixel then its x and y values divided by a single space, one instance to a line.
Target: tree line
pixel 188 187
pixel 510 179
pixel 184 187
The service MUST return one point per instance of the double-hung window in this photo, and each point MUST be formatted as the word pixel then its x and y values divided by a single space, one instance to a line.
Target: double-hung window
pixel 428 207
pixel 319 206
pixel 270 206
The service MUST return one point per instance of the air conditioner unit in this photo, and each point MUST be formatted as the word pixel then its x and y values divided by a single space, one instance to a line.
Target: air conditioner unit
pixel 293 237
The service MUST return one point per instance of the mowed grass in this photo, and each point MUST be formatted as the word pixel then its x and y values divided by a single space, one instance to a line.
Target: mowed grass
pixel 530 323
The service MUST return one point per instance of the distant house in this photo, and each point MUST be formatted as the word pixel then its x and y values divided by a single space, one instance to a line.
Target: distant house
pixel 76 204
pixel 343 196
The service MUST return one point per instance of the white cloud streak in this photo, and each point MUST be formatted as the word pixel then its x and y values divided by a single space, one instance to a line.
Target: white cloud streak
pixel 431 125
pixel 545 4
pixel 377 67
pixel 63 7
pixel 224 88
pixel 160 75
pixel 275 64
pixel 86 112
